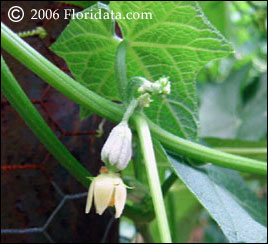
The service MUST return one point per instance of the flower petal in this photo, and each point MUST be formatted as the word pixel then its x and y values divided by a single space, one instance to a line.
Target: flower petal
pixel 103 191
pixel 90 197
pixel 120 199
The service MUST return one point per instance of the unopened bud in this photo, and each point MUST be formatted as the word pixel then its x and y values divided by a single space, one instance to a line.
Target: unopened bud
pixel 160 87
pixel 144 100
pixel 117 150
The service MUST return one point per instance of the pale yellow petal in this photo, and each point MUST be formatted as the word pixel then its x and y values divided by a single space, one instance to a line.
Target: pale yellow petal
pixel 103 192
pixel 90 197
pixel 120 199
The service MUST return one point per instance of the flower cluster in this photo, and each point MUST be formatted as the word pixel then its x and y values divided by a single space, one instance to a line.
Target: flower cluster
pixel 159 87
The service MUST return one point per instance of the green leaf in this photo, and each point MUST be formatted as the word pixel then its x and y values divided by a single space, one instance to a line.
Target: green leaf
pixel 176 42
pixel 88 46
pixel 250 149
pixel 254 114
pixel 213 234
pixel 217 13
pixel 224 114
pixel 240 214
pixel 220 104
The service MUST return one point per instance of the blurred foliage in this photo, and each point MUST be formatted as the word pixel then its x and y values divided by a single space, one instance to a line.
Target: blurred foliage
pixel 244 24
pixel 242 111
pixel 238 112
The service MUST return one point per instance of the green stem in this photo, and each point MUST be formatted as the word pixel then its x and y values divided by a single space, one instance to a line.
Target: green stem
pixel 205 154
pixel 114 112
pixel 241 151
pixel 20 102
pixel 153 177
pixel 121 70
pixel 130 110
pixel 168 183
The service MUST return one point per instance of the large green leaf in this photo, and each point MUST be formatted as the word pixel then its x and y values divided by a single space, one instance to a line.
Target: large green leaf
pixel 88 46
pixel 224 114
pixel 240 214
pixel 254 114
pixel 176 42
pixel 217 13
pixel 220 103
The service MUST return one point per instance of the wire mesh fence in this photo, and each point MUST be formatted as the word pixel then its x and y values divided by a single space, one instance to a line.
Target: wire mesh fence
pixel 40 201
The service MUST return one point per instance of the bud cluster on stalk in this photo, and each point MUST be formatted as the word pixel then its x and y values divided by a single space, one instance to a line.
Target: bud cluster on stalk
pixel 108 189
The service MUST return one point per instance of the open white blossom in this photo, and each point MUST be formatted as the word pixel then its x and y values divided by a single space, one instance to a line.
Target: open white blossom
pixel 117 150
pixel 107 190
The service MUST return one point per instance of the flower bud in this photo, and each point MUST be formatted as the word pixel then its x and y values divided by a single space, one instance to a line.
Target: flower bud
pixel 164 85
pixel 108 190
pixel 144 100
pixel 160 87
pixel 117 150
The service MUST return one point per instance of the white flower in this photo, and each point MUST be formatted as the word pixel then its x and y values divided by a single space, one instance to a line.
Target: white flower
pixel 107 190
pixel 117 150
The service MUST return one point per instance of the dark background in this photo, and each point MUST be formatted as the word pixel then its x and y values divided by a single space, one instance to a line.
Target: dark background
pixel 36 192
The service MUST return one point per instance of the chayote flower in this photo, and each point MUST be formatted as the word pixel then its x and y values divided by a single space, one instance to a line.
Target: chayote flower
pixel 108 190
pixel 117 150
